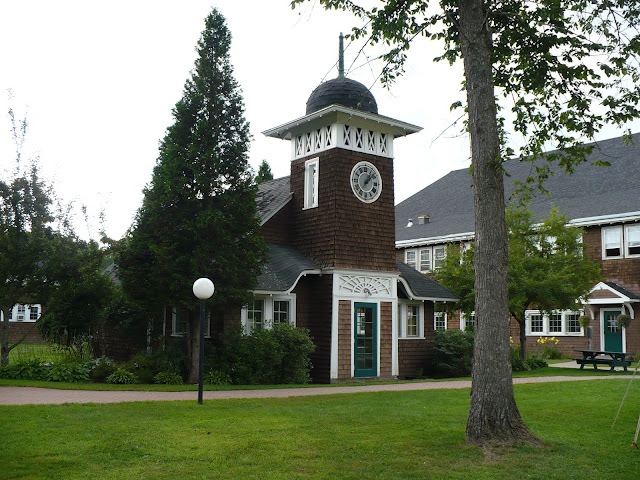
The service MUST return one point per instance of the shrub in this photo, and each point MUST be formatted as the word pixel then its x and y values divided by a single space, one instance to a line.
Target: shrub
pixel 141 365
pixel 70 372
pixel 122 376
pixel 279 355
pixel 168 378
pixel 216 377
pixel 534 363
pixel 452 353
pixel 32 369
pixel 172 358
pixel 531 363
pixel 551 353
pixel 104 367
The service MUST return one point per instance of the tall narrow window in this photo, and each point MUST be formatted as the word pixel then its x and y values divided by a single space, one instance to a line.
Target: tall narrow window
pixel 440 321
pixel 178 322
pixel 410 256
pixel 632 240
pixel 425 259
pixel 255 316
pixel 572 322
pixel 439 254
pixel 311 183
pixel 612 242
pixel 34 313
pixel 280 311
pixel 20 316
pixel 412 320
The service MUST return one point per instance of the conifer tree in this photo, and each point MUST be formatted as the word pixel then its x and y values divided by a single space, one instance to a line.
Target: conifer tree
pixel 198 217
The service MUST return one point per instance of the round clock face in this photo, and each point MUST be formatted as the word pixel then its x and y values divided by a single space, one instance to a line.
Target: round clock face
pixel 366 182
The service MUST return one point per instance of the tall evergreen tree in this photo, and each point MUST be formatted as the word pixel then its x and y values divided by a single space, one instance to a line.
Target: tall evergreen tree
pixel 264 173
pixel 198 217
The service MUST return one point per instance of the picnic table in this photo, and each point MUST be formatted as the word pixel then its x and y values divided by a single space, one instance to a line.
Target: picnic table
pixel 602 357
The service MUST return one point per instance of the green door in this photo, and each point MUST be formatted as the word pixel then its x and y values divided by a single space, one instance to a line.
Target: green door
pixel 365 343
pixel 612 331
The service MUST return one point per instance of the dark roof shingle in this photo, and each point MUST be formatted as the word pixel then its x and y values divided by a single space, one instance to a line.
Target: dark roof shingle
pixel 283 268
pixel 591 191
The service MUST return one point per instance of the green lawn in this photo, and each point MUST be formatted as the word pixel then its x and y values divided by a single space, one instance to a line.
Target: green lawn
pixel 391 435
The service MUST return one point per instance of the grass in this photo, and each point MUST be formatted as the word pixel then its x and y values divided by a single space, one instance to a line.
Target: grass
pixel 542 372
pixel 386 435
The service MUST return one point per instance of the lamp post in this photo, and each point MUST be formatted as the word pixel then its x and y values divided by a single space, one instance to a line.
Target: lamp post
pixel 202 288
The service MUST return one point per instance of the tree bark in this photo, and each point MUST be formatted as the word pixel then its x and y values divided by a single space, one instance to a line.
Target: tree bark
pixel 493 416
pixel 523 339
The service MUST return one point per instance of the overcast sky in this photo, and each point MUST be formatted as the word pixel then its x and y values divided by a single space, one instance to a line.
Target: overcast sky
pixel 98 80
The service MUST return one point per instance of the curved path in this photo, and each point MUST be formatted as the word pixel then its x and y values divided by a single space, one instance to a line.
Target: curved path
pixel 31 395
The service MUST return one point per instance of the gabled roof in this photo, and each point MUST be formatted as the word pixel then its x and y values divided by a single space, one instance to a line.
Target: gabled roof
pixel 592 195
pixel 607 293
pixel 283 269
pixel 420 287
pixel 271 197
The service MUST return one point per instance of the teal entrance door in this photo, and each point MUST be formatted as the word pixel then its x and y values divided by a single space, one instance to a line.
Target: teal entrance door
pixel 365 343
pixel 612 331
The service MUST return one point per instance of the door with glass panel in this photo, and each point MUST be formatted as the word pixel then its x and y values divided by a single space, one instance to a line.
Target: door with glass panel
pixel 365 340
pixel 612 331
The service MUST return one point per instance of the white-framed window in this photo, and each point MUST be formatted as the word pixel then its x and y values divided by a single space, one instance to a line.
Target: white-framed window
pixel 311 175
pixel 572 322
pixel 410 319
pixel 612 242
pixel 268 310
pixel 410 258
pixel 255 315
pixel 439 254
pixel 536 323
pixel 425 259
pixel 23 313
pixel 556 323
pixel 467 321
pixel 178 322
pixel 281 311
pixel 632 240
pixel 440 320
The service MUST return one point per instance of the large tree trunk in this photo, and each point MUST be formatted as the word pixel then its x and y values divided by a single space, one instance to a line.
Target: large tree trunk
pixel 493 415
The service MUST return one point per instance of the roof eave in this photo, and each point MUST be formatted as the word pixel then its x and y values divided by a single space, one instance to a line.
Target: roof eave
pixel 430 299
pixel 284 131
pixel 293 285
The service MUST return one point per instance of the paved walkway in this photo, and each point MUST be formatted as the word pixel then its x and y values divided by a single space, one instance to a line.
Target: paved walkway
pixel 30 395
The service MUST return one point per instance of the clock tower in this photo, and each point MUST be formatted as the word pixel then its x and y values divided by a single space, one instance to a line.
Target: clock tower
pixel 343 219
pixel 342 176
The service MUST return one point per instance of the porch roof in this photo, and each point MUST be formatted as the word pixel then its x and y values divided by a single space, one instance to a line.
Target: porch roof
pixel 283 269
pixel 420 287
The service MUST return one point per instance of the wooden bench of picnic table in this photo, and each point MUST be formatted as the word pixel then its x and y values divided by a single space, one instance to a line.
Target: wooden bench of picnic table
pixel 601 357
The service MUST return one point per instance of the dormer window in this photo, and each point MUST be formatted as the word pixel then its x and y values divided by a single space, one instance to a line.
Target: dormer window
pixel 311 173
